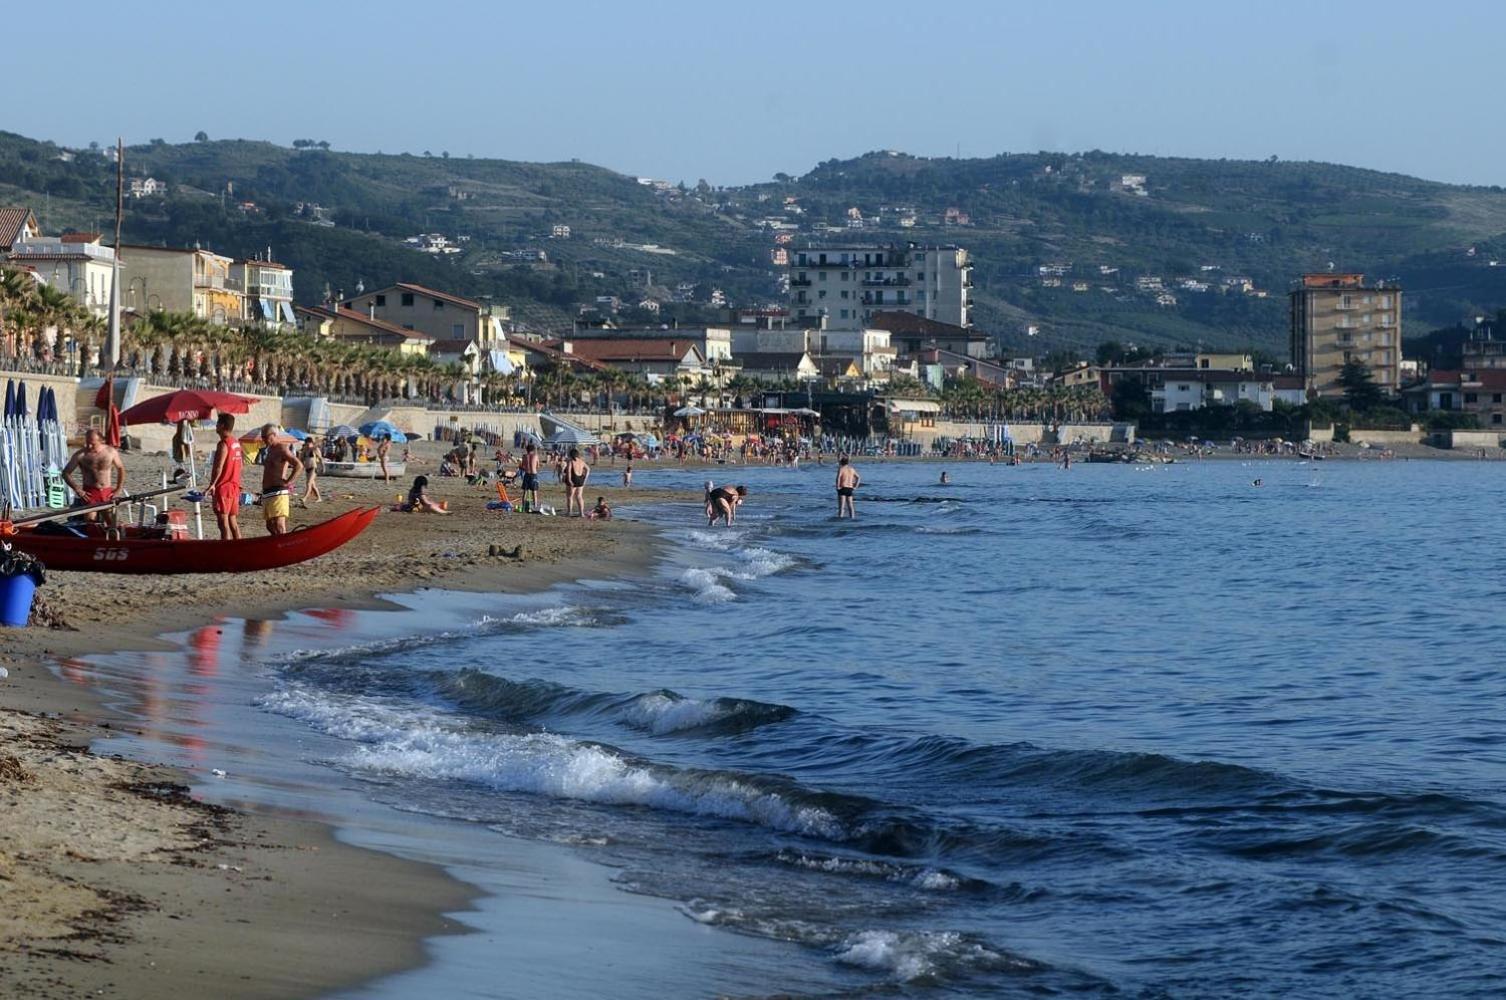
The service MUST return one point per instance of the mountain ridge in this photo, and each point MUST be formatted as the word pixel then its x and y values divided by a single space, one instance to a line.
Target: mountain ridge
pixel 1082 216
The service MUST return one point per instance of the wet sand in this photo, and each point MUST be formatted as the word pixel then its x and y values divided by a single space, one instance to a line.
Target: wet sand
pixel 118 882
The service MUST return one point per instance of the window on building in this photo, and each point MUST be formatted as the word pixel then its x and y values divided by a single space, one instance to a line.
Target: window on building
pixel 844 316
pixel 920 296
pixel 381 300
pixel 438 303
pixel 1496 398
pixel 1470 397
pixel 1495 418
pixel 407 298
pixel 457 330
pixel 844 275
pixel 844 293
pixel 822 274
pixel 821 294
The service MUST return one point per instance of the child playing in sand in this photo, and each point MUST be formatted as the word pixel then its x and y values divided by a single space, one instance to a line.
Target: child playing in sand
pixel 602 511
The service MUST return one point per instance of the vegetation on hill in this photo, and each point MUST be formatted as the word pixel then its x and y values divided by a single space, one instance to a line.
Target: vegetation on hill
pixel 340 218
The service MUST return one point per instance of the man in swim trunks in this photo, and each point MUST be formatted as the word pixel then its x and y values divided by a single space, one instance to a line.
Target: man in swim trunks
pixel 277 477
pixel 848 481
pixel 225 479
pixel 101 474
pixel 576 474
pixel 530 469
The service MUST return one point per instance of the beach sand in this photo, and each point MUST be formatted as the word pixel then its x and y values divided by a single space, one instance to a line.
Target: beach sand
pixel 117 882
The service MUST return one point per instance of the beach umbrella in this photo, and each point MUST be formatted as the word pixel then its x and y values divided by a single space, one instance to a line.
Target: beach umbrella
pixel 185 404
pixel 343 431
pixel 296 434
pixel 690 411
pixel 21 399
pixel 10 398
pixel 378 429
pixel 281 437
pixel 570 435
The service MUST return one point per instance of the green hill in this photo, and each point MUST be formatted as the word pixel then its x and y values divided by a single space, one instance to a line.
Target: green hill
pixel 1197 220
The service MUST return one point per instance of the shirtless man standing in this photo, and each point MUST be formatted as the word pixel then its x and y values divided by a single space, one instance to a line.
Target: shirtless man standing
pixel 848 480
pixel 530 469
pixel 277 477
pixel 101 474
pixel 576 474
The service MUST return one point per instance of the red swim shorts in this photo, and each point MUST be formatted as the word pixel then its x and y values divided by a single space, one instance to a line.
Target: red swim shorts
pixel 227 498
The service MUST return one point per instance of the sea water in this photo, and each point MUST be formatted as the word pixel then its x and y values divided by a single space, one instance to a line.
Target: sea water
pixel 1116 730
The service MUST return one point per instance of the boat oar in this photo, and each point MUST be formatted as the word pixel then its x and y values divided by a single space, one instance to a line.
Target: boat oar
pixel 7 527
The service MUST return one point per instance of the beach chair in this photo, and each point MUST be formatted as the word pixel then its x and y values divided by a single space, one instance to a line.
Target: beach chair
pixel 57 490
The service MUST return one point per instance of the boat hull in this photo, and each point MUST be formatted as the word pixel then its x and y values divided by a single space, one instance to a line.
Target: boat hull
pixel 155 556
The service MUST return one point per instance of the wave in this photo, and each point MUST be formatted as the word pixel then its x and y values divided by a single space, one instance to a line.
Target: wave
pixel 660 713
pixel 561 616
pixel 664 712
pixel 907 956
pixel 709 583
pixel 921 955
pixel 398 741
pixel 706 586
pixel 925 878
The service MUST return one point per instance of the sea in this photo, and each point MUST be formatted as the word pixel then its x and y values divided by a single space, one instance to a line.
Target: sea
pixel 1207 729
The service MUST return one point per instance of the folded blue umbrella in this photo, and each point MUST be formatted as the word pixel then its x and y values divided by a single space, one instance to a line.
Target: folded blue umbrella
pixel 10 398
pixel 21 410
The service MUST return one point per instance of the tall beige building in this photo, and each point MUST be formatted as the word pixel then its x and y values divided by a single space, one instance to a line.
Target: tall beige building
pixel 1337 318
pixel 840 287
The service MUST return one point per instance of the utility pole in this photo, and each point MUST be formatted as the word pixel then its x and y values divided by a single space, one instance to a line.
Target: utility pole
pixel 114 335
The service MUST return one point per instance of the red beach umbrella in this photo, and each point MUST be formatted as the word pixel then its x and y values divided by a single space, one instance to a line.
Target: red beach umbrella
pixel 185 404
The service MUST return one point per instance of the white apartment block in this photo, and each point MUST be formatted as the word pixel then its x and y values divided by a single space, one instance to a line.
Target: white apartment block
pixel 842 286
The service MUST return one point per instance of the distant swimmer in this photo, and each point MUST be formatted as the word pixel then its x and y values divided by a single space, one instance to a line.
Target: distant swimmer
pixel 848 481
pixel 946 479
pixel 1258 482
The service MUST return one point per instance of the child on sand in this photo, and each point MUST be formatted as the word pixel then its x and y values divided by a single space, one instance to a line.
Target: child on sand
pixel 602 511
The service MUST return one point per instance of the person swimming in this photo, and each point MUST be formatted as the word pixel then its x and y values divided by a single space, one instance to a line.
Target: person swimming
pixel 946 479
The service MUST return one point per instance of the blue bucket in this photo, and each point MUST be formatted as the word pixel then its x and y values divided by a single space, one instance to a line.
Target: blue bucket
pixel 15 599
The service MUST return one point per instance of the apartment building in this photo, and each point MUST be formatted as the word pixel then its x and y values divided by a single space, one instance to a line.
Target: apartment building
pixel 1338 318
pixel 170 279
pixel 439 314
pixel 843 286
pixel 269 291
pixel 75 263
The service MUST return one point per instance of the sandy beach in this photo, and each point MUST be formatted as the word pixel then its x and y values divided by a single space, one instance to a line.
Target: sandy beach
pixel 118 882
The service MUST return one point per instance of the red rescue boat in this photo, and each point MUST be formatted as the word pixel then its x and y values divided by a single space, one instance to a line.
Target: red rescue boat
pixel 146 551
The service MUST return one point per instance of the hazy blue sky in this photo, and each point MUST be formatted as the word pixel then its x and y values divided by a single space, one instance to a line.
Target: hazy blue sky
pixel 734 92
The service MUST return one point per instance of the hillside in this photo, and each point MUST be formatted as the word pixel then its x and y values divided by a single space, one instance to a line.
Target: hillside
pixel 1201 221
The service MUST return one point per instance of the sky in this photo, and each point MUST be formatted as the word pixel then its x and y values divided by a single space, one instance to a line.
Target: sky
pixel 735 92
